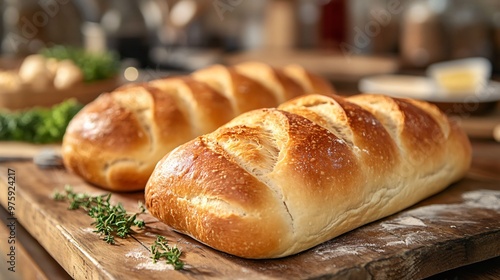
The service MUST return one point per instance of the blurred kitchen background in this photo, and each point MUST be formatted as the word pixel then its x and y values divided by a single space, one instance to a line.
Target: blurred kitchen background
pixel 338 38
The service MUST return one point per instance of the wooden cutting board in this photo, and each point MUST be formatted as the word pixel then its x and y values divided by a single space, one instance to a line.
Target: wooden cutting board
pixel 459 226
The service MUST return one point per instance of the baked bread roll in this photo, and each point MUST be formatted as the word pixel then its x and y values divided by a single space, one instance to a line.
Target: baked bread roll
pixel 275 182
pixel 116 140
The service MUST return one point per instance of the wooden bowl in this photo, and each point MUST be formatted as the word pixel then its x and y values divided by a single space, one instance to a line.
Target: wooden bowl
pixel 25 99
pixel 83 93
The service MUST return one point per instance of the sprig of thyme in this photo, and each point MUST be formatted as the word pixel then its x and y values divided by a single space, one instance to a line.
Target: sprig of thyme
pixel 160 249
pixel 113 220
pixel 109 220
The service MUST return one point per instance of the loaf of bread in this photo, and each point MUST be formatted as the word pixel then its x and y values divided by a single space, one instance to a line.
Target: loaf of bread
pixel 275 182
pixel 116 140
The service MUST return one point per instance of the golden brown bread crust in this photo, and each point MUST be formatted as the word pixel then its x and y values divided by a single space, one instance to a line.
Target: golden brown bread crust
pixel 274 182
pixel 276 80
pixel 116 141
pixel 239 89
pixel 311 83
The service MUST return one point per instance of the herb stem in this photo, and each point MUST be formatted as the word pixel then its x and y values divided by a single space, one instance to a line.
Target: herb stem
pixel 113 220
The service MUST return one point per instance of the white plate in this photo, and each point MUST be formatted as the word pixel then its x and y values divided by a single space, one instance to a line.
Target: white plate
pixel 416 87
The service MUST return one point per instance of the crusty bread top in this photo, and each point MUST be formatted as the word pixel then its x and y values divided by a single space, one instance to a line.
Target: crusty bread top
pixel 116 140
pixel 274 182
pixel 311 83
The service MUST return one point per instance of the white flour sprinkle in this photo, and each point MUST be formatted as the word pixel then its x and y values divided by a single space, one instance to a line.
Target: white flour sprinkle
pixel 418 237
pixel 339 251
pixel 328 252
pixel 411 221
pixel 403 222
pixel 442 212
pixel 408 223
pixel 146 261
pixel 88 230
pixel 454 213
pixel 150 265
pixel 409 238
pixel 488 199
pixel 398 242
pixel 136 254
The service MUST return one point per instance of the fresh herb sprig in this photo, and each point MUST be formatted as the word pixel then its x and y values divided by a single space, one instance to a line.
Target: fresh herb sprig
pixel 109 220
pixel 113 220
pixel 161 250
pixel 38 125
pixel 95 66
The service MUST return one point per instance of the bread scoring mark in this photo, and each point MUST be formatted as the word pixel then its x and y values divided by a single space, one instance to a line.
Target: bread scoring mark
pixel 371 143
pixel 227 180
pixel 416 132
pixel 325 112
pixel 378 150
pixel 204 178
pixel 188 104
pixel 217 77
pixel 312 149
pixel 237 88
pixel 144 114
pixel 291 87
pixel 421 126
pixel 209 108
pixel 301 77
pixel 198 102
pixel 138 101
pixel 253 149
pixel 100 122
pixel 169 124
pixel 322 169
pixel 265 75
pixel 385 110
pixel 243 88
pixel 434 113
pixel 175 88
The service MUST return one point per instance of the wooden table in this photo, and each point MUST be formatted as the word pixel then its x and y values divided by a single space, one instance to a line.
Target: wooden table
pixel 457 227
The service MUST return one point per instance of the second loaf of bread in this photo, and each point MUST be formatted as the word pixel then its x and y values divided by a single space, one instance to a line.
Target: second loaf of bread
pixel 116 141
pixel 275 182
